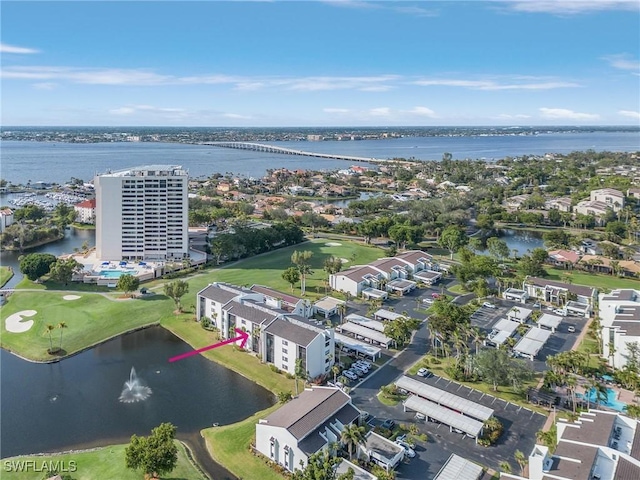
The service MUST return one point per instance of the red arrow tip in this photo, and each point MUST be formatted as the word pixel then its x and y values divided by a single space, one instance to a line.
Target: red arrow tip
pixel 244 336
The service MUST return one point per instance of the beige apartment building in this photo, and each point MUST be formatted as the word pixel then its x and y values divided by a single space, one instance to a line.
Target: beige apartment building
pixel 142 213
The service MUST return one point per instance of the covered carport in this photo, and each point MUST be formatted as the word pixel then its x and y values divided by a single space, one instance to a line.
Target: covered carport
pixel 455 421
pixel 578 309
pixel 444 398
pixel 371 292
pixel 458 468
pixel 328 306
pixel 383 314
pixel 364 333
pixel 550 322
pixel 429 277
pixel 401 286
pixel 532 343
pixel 351 345
pixel 365 322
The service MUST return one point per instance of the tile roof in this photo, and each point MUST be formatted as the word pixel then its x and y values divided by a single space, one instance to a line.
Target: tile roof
pixel 413 256
pixel 595 432
pixel 287 298
pixel 304 414
pixel 248 311
pixel 357 273
pixel 314 442
pixel 291 332
pixel 635 446
pixel 577 289
pixel 86 204
pixel 586 454
pixel 627 470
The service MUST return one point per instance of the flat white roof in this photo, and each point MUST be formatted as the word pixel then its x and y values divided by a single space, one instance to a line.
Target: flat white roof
pixel 374 292
pixel 359 473
pixel 328 303
pixel 532 342
pixel 401 283
pixel 505 325
pixel 458 468
pixel 365 322
pixel 365 332
pixel 538 334
pixel 427 274
pixel 441 397
pixel 356 345
pixel 518 312
pixel 499 338
pixel 444 415
pixel 548 320
pixel 388 314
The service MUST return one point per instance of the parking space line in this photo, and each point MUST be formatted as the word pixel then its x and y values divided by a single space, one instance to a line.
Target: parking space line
pixel 494 399
pixel 459 387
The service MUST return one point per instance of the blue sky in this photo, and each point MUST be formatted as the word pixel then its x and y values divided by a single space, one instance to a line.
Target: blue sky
pixel 325 63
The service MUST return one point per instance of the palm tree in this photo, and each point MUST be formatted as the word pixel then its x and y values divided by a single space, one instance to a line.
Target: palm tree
pixel 572 382
pixel 352 435
pixel 599 390
pixel 478 337
pixel 49 330
pixel 521 460
pixel 342 309
pixel 61 326
pixel 336 370
pixel 505 467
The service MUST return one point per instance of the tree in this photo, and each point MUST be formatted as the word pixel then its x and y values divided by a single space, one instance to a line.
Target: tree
pixel 176 290
pixel 49 330
pixel 332 265
pixel 453 238
pixel 222 246
pixel 127 283
pixel 299 372
pixel 291 275
pixel 301 260
pixel 63 215
pixel 498 248
pixel 62 270
pixel 61 326
pixel 284 397
pixel 497 368
pixel 351 436
pixel 521 460
pixel 320 466
pixel 35 265
pixel 505 467
pixel 156 454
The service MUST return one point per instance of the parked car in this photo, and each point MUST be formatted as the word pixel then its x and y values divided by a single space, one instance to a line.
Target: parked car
pixel 536 305
pixel 350 375
pixel 428 301
pixel 423 372
pixel 420 416
pixel 401 438
pixel 435 295
pixel 360 370
pixel 559 311
pixel 488 305
pixel 571 329
pixel 364 363
pixel 409 452
pixel 388 424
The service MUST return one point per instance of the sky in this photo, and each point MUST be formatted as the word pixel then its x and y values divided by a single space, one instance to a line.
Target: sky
pixel 320 63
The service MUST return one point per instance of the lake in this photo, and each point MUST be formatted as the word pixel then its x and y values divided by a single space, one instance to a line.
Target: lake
pixel 522 241
pixel 74 403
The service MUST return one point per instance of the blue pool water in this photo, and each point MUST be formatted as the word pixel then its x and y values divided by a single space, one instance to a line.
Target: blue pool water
pixel 111 273
pixel 611 402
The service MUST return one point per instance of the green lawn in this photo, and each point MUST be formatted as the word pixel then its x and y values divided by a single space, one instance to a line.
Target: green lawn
pixel 90 320
pixel 5 275
pixel 457 288
pixel 229 445
pixel 243 363
pixel 590 279
pixel 102 463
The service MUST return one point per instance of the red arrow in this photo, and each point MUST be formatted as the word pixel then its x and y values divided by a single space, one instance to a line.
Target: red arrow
pixel 243 337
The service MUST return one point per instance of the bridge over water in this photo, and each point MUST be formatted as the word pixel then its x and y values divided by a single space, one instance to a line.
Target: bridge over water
pixel 260 147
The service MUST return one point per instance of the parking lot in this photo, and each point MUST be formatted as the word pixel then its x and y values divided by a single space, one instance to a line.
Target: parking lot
pixel 520 426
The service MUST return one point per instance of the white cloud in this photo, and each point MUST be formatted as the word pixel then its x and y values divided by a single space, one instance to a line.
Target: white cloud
pixel 623 61
pixel 507 116
pixel 563 113
pixel 380 112
pixel 630 114
pixel 137 109
pixel 45 85
pixel 570 7
pixel 4 48
pixel 412 10
pixel 423 112
pixel 236 116
pixel 493 85
pixel 92 76
pixel 335 110
pixel 310 84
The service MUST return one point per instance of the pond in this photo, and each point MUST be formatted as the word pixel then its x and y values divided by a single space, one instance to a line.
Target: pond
pixel 75 403
pixel 521 240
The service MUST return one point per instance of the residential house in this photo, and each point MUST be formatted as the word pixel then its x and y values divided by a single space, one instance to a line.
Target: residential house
pixel 562 204
pixel 595 208
pixel 609 196
pixel 559 293
pixel 6 218
pixel 629 268
pixel 516 202
pixel 620 323
pixel 278 336
pixel 563 258
pixel 306 425
pixel 86 211
pixel 599 445
pixel 633 192
pixel 590 247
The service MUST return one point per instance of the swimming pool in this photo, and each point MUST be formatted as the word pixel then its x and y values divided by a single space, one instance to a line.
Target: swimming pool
pixel 611 402
pixel 111 273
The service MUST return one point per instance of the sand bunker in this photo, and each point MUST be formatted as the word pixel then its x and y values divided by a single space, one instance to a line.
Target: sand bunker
pixel 14 323
pixel 71 297
pixel 332 244
pixel 344 260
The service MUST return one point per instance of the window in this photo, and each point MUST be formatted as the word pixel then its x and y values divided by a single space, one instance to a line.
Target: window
pixel 285 359
pixel 284 342
pixel 272 447
pixel 284 350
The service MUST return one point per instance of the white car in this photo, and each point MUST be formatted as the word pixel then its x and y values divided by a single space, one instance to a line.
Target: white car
pixel 558 311
pixel 488 305
pixel 571 329
pixel 423 372
pixel 409 452
pixel 350 375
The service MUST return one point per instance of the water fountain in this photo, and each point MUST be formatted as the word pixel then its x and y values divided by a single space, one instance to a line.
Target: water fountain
pixel 134 390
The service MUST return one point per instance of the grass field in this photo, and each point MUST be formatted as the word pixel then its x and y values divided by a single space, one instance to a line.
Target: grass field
pixel 589 279
pixel 90 319
pixel 5 275
pixel 229 445
pixel 102 463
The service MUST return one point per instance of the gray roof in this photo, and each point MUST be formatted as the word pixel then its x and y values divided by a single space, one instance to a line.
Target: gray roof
pixel 378 444
pixel 566 468
pixel 248 311
pixel 220 294
pixel 577 289
pixel 626 470
pixel 595 432
pixel 635 446
pixel 444 415
pixel 621 294
pixel 310 409
pixel 291 332
pixel 314 442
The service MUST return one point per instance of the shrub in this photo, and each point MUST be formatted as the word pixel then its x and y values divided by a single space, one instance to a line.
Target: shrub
pixel 274 368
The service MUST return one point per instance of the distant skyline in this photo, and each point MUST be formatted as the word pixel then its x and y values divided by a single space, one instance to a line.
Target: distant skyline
pixel 323 63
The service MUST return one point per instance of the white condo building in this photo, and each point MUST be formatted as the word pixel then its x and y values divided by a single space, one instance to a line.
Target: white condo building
pixel 142 213
pixel 620 322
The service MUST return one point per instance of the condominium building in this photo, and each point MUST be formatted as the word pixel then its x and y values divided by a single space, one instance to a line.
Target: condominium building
pixel 620 322
pixel 142 213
